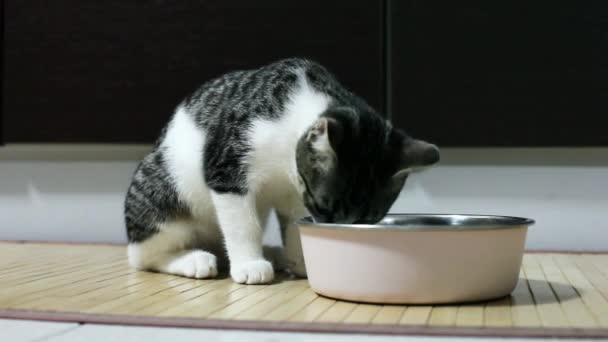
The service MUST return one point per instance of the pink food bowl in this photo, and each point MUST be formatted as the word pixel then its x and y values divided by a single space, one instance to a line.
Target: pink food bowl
pixel 415 258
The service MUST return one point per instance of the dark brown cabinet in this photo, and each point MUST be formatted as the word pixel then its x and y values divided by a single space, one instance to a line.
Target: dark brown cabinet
pixel 458 73
pixel 501 73
pixel 113 70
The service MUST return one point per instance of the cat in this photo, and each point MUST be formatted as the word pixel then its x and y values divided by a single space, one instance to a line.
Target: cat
pixel 286 136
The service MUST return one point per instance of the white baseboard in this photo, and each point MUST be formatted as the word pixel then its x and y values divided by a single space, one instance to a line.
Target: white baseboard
pixel 75 193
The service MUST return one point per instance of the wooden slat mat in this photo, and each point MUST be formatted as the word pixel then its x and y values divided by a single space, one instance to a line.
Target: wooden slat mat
pixel 559 295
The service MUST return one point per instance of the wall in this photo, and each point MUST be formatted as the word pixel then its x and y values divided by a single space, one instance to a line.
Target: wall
pixel 75 192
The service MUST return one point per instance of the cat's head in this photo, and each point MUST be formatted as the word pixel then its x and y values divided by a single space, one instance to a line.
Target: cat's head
pixel 353 165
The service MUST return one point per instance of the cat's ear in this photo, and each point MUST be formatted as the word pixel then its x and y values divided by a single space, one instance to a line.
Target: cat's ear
pixel 417 154
pixel 325 135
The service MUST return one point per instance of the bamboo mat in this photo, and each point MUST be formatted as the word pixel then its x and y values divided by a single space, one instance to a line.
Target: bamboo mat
pixel 557 295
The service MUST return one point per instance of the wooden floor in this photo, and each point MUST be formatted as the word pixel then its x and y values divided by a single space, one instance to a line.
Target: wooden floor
pixel 555 290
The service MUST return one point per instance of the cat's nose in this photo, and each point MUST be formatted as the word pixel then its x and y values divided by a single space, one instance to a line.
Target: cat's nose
pixel 344 220
pixel 324 218
pixel 369 220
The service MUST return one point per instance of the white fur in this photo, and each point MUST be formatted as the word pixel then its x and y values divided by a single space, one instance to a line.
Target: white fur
pixel 184 144
pixel 239 220
pixel 170 251
pixel 273 182
pixel 275 141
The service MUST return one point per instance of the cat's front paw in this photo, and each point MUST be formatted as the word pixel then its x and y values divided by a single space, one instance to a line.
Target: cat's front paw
pixel 194 264
pixel 252 272
pixel 298 269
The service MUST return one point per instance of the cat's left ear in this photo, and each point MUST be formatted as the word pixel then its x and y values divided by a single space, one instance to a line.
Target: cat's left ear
pixel 417 154
pixel 325 135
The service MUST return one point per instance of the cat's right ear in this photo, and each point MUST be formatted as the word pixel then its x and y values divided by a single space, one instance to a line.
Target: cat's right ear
pixel 415 156
pixel 325 135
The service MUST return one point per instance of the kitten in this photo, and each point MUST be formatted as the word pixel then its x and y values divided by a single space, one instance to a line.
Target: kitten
pixel 286 136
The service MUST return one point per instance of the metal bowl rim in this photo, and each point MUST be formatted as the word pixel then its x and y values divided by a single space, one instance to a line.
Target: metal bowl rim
pixel 494 222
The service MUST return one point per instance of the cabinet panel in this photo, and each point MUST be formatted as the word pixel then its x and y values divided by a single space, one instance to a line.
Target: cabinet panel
pixel 501 73
pixel 112 71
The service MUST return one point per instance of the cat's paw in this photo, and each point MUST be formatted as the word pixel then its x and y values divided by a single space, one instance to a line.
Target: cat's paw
pixel 298 269
pixel 252 272
pixel 293 251
pixel 194 264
